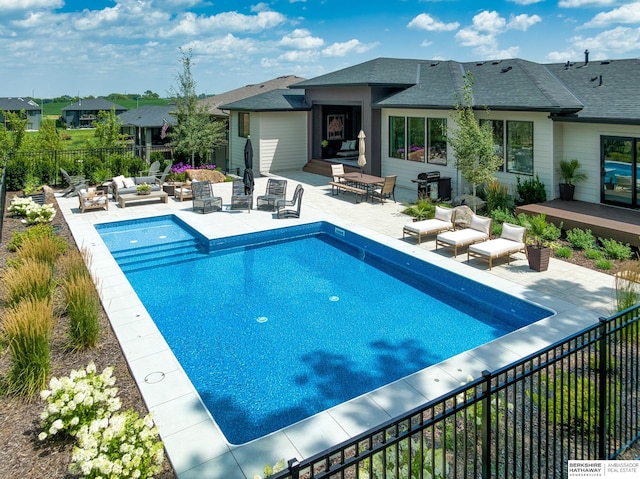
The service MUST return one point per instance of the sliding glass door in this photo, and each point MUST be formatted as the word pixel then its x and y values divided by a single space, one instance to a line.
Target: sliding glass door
pixel 620 170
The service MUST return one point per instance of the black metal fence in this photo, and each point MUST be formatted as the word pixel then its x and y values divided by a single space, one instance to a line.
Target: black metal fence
pixel 3 193
pixel 576 400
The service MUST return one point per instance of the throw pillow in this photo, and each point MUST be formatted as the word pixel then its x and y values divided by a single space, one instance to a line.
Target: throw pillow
pixel 129 183
pixel 443 214
pixel 345 146
pixel 119 181
pixel 481 224
pixel 513 232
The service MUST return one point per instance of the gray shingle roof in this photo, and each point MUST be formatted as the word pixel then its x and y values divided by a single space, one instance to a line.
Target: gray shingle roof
pixel 213 103
pixel 17 104
pixel 149 116
pixel 94 104
pixel 274 100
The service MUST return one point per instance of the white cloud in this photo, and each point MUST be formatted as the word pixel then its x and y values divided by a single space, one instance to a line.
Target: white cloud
pixel 526 2
pixel 190 24
pixel 301 39
pixel 629 13
pixel 228 46
pixel 29 5
pixel 585 3
pixel 426 43
pixel 424 21
pixel 490 22
pixel 299 56
pixel 610 42
pixel 523 22
pixel 468 37
pixel 347 48
pixel 92 20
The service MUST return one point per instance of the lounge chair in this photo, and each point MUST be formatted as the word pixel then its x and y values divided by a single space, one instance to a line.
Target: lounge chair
pixel 479 230
pixel 153 170
pixel 291 208
pixel 92 199
pixel 276 190
pixel 183 192
pixel 75 183
pixel 387 190
pixel 511 241
pixel 240 200
pixel 443 221
pixel 203 199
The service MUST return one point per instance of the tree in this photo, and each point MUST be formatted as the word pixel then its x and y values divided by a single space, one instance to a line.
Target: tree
pixel 107 131
pixel 14 137
pixel 48 137
pixel 195 133
pixel 473 143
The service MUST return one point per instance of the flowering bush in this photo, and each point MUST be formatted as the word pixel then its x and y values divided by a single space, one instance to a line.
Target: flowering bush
pixel 78 400
pixel 182 167
pixel 124 446
pixel 32 211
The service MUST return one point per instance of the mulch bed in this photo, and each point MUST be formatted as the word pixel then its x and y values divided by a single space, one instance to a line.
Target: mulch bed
pixel 22 455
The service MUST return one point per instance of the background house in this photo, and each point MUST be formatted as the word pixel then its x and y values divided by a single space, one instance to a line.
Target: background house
pixel 147 127
pixel 540 113
pixel 16 105
pixel 83 113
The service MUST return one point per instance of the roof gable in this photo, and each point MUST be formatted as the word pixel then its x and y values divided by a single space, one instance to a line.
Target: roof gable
pixel 149 116
pixel 274 100
pixel 18 104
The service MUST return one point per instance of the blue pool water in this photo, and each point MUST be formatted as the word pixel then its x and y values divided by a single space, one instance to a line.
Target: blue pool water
pixel 276 326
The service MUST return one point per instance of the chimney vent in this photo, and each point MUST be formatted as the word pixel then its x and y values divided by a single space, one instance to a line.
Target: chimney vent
pixel 586 57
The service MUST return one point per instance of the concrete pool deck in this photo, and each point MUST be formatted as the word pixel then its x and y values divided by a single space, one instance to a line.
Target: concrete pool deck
pixel 195 445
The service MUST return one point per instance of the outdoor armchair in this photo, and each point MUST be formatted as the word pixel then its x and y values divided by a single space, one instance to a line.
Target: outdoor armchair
pixel 203 199
pixel 276 190
pixel 75 183
pixel 239 199
pixel 387 190
pixel 291 208
pixel 92 199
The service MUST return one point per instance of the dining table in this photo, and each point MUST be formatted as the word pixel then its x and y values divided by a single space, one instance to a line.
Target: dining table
pixel 362 180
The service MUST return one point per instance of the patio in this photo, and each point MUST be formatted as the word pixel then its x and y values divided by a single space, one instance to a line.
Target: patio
pixel 195 445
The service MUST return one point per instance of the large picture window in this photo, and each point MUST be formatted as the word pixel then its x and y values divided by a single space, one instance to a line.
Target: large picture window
pixel 397 135
pixel 410 138
pixel 243 125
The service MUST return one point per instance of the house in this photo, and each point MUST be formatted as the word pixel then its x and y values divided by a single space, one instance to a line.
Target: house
pixel 213 103
pixel 147 128
pixel 540 113
pixel 84 112
pixel 16 105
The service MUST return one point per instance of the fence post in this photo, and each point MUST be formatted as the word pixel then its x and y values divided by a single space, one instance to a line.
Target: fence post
pixel 602 388
pixel 294 468
pixel 486 425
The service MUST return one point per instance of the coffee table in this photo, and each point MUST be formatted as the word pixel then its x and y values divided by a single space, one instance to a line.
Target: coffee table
pixel 133 197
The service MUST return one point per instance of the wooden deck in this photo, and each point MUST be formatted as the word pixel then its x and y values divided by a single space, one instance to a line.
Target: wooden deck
pixel 604 221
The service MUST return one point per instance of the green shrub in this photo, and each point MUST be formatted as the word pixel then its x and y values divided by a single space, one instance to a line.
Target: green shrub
pixel 530 191
pixel 82 305
pixel 615 250
pixel 34 232
pixel 593 253
pixel 581 239
pixel 421 209
pixel 497 196
pixel 28 326
pixel 604 264
pixel 563 252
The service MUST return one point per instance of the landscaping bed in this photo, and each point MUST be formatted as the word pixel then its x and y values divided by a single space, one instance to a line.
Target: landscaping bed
pixel 23 455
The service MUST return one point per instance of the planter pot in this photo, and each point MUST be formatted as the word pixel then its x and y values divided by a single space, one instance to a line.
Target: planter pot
pixel 144 193
pixel 538 258
pixel 566 191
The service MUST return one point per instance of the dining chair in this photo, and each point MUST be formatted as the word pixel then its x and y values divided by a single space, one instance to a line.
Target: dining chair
pixel 387 190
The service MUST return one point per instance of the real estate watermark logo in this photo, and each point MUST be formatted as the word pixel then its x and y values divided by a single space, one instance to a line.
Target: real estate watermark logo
pixel 609 469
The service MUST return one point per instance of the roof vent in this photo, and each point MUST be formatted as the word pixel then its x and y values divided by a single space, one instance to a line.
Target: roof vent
pixel 479 64
pixel 434 64
pixel 586 57
pixel 593 78
pixel 506 69
pixel 496 62
pixel 605 62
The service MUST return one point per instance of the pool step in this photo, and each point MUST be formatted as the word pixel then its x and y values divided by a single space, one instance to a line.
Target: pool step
pixel 148 257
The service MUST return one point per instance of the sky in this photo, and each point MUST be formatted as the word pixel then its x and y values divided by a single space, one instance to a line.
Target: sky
pixel 52 48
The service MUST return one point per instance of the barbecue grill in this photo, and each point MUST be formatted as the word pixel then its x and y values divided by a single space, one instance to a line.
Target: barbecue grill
pixel 428 184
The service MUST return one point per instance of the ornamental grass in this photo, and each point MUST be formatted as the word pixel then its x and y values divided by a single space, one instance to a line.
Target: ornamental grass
pixel 627 284
pixel 28 279
pixel 71 265
pixel 82 307
pixel 27 327
pixel 46 249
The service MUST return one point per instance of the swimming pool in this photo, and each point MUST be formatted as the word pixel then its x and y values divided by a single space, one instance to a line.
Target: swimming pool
pixel 273 327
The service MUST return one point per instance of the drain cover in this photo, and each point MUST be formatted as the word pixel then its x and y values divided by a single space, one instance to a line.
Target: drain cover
pixel 334 298
pixel 153 378
pixel 262 319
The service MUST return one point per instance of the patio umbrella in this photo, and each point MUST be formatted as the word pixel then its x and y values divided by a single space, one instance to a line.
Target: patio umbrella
pixel 248 165
pixel 362 160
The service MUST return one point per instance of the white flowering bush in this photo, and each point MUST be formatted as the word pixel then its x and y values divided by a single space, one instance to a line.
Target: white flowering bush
pixel 122 446
pixel 32 211
pixel 78 400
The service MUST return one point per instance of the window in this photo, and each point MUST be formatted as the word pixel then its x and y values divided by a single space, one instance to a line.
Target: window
pixel 397 137
pixel 243 125
pixel 410 137
pixel 437 141
pixel 520 147
pixel 497 126
pixel 416 139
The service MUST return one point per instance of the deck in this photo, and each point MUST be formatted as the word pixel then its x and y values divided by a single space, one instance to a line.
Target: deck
pixel 604 221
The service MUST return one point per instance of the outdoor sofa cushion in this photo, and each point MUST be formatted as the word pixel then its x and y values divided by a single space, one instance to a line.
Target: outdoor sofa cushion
pixel 511 241
pixel 442 221
pixel 479 230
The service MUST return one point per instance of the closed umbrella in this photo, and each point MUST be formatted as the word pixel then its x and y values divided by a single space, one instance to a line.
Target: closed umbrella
pixel 248 165
pixel 362 160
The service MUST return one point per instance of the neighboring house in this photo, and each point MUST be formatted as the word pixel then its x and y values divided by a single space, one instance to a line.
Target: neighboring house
pixel 541 114
pixel 16 105
pixel 214 102
pixel 83 113
pixel 147 128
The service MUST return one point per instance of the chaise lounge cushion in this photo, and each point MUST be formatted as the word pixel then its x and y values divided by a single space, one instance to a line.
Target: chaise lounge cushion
pixel 511 241
pixel 479 230
pixel 442 221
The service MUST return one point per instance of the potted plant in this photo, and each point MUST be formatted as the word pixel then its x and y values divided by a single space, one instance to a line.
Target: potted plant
pixel 570 174
pixel 144 189
pixel 540 234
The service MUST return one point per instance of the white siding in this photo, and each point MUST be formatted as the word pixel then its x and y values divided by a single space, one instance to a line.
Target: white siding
pixel 283 141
